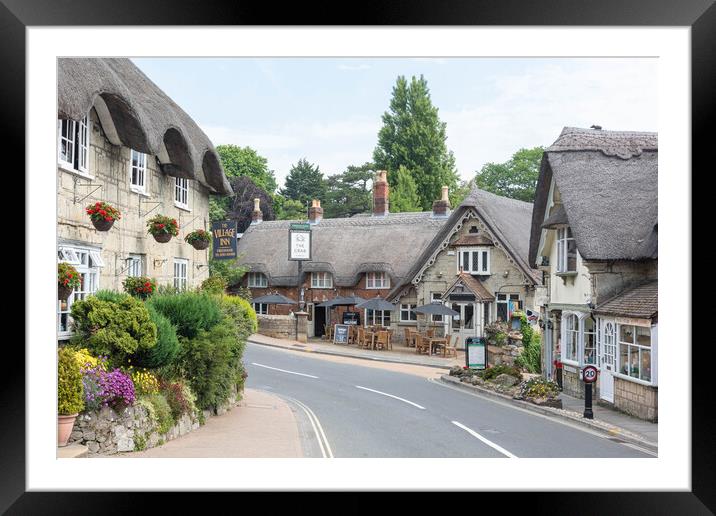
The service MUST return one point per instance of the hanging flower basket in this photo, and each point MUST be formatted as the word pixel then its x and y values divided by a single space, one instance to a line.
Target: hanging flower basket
pixel 68 279
pixel 163 228
pixel 141 286
pixel 103 215
pixel 198 239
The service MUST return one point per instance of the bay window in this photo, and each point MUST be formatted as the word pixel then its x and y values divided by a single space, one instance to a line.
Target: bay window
pixel 566 251
pixel 321 280
pixel 73 144
pixel 635 351
pixel 474 260
pixel 89 270
pixel 377 280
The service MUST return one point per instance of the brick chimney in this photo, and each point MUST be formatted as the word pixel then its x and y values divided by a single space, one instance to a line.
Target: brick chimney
pixel 441 207
pixel 381 194
pixel 315 212
pixel 256 216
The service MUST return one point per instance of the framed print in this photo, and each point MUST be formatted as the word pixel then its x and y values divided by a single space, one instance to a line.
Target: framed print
pixel 369 241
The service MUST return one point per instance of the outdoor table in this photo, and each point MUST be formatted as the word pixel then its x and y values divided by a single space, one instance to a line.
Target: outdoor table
pixel 437 341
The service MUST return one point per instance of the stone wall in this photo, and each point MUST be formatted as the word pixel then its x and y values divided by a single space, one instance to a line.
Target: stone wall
pixel 109 169
pixel 278 326
pixel 636 399
pixel 507 354
pixel 107 432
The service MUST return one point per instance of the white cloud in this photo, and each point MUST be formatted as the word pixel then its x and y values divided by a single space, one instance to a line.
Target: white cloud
pixel 531 108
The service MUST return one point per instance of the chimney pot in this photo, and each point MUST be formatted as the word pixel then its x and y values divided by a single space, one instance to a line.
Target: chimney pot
pixel 257 216
pixel 315 212
pixel 441 207
pixel 381 194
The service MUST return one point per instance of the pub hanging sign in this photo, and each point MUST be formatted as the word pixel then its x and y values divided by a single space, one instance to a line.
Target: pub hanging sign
pixel 223 234
pixel 299 242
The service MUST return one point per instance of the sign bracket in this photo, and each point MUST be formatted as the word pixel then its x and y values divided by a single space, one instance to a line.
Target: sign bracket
pixel 156 205
pixel 75 181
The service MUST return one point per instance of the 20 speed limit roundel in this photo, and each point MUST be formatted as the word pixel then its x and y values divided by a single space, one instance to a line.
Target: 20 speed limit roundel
pixel 589 374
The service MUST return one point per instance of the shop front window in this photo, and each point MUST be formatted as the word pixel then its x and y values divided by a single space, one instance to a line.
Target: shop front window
pixel 89 270
pixel 590 341
pixel 635 351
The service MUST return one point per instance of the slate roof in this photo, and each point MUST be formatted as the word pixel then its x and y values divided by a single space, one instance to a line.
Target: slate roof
pixel 641 302
pixel 145 118
pixel 474 284
pixel 508 219
pixel 608 182
pixel 346 247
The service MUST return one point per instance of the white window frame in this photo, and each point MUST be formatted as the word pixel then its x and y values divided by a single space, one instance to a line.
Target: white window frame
pixel 257 280
pixel 68 255
pixel 321 280
pixel 181 265
pixel 260 308
pixel 651 348
pixel 96 258
pixel 436 296
pixel 481 266
pixel 568 333
pixel 135 265
pixel 377 317
pixel 583 347
pixel 564 237
pixel 377 280
pixel 90 275
pixel 141 169
pixel 506 302
pixel 408 309
pixel 78 141
pixel 181 192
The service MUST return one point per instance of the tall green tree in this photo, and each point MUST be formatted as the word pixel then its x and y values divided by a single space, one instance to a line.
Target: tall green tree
pixel 413 136
pixel 348 193
pixel 245 161
pixel 515 178
pixel 404 194
pixel 304 182
pixel 288 209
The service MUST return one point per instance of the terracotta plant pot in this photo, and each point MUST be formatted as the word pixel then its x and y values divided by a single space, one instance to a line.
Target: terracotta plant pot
pixel 162 238
pixel 64 428
pixel 63 292
pixel 102 225
pixel 200 245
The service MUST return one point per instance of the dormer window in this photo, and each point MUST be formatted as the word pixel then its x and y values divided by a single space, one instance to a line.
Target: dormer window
pixel 257 280
pixel 375 280
pixel 73 145
pixel 474 260
pixel 321 280
pixel 566 250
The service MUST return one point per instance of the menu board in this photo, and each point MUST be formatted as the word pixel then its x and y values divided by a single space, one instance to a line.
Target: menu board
pixel 340 334
pixel 475 353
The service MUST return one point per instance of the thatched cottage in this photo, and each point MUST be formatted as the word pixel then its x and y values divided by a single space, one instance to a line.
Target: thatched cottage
pixel 473 258
pixel 123 141
pixel 594 234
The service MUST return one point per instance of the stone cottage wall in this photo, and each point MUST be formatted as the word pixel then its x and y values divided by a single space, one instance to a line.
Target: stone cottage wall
pixel 109 167
pixel 636 399
pixel 277 326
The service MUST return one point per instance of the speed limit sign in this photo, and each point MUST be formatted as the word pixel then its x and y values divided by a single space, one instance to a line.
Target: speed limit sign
pixel 589 374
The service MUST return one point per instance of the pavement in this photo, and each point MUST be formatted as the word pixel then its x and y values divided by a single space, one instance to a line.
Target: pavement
pixel 262 425
pixel 606 420
pixel 400 354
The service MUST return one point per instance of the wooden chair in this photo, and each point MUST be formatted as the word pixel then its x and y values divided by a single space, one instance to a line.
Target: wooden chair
pixel 382 341
pixel 360 336
pixel 430 332
pixel 408 337
pixel 422 344
pixel 352 334
pixel 449 349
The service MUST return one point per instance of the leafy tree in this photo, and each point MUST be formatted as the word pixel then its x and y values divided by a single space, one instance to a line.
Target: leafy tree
pixel 404 194
pixel 413 136
pixel 241 203
pixel 245 161
pixel 348 193
pixel 304 182
pixel 288 209
pixel 516 178
pixel 457 195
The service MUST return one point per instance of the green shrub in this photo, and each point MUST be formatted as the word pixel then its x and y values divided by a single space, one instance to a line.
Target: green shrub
pixel 214 284
pixel 211 363
pixel 162 412
pixel 190 312
pixel 117 328
pixel 531 357
pixel 70 393
pixel 539 387
pixel 167 345
pixel 493 372
pixel 180 398
pixel 242 313
pixel 110 295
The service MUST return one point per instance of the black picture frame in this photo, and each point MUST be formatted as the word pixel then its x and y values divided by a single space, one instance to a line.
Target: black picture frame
pixel 17 15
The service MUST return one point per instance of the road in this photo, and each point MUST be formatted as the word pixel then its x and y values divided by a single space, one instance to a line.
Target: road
pixel 356 408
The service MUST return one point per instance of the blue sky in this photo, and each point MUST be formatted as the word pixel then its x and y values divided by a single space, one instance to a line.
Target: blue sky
pixel 328 110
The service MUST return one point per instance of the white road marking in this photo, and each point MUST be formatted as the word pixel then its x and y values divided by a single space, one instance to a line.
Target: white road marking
pixel 284 370
pixel 484 440
pixel 391 396
pixel 317 428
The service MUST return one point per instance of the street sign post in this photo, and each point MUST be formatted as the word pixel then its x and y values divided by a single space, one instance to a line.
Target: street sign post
pixel 475 353
pixel 589 376
pixel 299 250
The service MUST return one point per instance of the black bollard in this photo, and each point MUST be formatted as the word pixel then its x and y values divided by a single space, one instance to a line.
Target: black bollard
pixel 588 414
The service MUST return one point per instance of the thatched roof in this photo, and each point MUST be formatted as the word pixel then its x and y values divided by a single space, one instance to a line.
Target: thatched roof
pixel 508 219
pixel 135 113
pixel 608 182
pixel 345 247
pixel 640 302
